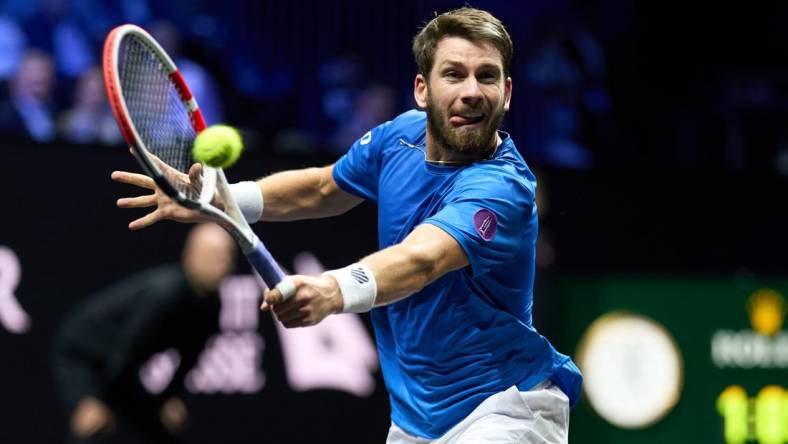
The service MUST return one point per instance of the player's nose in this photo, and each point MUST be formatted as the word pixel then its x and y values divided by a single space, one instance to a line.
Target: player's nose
pixel 471 93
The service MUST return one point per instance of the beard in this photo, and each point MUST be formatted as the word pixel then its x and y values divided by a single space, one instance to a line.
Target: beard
pixel 478 142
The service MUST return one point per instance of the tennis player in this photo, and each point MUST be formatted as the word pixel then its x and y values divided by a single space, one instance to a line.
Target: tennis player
pixel 450 291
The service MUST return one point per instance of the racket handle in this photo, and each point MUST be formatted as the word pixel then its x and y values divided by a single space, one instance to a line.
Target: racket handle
pixel 264 263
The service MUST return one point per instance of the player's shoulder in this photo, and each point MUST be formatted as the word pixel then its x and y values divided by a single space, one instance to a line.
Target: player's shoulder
pixel 410 126
pixel 410 118
pixel 505 174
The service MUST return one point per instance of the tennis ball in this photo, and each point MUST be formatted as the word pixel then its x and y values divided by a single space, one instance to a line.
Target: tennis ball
pixel 218 146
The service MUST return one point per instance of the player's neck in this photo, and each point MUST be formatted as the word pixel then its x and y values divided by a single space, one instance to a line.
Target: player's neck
pixel 439 154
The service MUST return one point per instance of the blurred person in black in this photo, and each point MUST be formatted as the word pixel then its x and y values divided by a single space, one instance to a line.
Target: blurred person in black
pixel 104 343
pixel 30 108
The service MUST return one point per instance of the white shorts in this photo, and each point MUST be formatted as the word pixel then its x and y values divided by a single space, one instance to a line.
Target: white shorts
pixel 540 415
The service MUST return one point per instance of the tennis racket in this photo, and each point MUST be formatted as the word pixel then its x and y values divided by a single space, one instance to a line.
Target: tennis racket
pixel 159 119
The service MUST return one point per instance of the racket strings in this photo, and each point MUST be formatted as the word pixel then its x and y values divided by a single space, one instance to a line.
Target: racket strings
pixel 157 110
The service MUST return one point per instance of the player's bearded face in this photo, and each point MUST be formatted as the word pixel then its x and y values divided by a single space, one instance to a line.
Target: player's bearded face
pixel 450 130
pixel 465 96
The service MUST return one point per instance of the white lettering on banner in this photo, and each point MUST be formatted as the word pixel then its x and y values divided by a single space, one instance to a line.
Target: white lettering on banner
pixel 747 349
pixel 12 316
pixel 231 361
pixel 334 354
pixel 240 296
pixel 337 353
pixel 158 371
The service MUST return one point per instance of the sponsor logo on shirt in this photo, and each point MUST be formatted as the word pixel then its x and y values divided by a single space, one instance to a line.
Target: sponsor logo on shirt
pixel 485 223
pixel 366 138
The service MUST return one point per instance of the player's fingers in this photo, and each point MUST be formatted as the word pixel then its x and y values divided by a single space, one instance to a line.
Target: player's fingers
pixel 273 297
pixel 283 291
pixel 139 180
pixel 195 176
pixel 137 202
pixel 287 287
pixel 270 297
pixel 291 309
pixel 292 324
pixel 291 316
pixel 195 172
pixel 303 321
pixel 145 221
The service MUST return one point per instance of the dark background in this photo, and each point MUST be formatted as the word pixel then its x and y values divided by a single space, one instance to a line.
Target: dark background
pixel 656 131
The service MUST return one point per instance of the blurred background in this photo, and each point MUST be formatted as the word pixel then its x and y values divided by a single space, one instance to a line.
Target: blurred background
pixel 656 130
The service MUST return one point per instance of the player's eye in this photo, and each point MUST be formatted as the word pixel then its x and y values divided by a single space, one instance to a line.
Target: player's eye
pixel 487 77
pixel 452 75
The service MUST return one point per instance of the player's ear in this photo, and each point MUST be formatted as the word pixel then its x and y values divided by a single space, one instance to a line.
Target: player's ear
pixel 507 93
pixel 420 91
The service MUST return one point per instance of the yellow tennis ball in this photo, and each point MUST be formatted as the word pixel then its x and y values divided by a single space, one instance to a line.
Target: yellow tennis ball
pixel 218 146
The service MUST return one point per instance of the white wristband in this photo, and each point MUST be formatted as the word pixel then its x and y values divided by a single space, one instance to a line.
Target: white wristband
pixel 358 287
pixel 249 199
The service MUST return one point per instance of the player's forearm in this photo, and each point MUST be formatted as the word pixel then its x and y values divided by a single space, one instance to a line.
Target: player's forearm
pixel 379 279
pixel 303 194
pixel 400 271
pixel 403 269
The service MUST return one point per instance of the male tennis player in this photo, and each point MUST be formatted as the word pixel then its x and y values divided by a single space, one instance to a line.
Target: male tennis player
pixel 450 291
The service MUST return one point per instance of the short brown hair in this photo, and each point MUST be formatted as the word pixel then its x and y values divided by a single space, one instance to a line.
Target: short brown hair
pixel 468 23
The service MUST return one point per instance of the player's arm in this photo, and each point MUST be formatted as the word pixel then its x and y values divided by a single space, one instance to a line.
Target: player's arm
pixel 304 194
pixel 397 272
pixel 290 195
pixel 403 269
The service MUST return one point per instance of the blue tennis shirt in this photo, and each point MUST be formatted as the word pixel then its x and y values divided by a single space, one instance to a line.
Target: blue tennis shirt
pixel 469 334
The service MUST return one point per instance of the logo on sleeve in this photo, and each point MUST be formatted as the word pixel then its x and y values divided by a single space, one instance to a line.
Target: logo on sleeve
pixel 359 275
pixel 485 223
pixel 366 138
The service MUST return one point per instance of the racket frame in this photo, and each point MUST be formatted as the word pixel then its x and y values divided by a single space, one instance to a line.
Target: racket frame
pixel 214 179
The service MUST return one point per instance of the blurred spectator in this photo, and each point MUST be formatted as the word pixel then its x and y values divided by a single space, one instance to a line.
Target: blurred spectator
pixel 346 108
pixel 341 79
pixel 54 27
pixel 30 107
pixel 200 81
pixel 19 9
pixel 565 92
pixel 103 345
pixel 97 17
pixel 373 106
pixel 90 119
pixel 12 44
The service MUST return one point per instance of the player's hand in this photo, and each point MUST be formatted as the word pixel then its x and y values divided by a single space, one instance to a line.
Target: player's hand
pixel 166 208
pixel 91 417
pixel 315 298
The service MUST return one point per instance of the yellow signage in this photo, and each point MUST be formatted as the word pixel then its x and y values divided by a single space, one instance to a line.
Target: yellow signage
pixel 766 308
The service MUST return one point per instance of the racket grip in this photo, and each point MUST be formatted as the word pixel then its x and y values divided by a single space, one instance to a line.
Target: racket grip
pixel 264 263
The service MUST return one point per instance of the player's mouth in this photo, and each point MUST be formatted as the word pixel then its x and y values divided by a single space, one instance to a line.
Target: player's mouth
pixel 468 119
